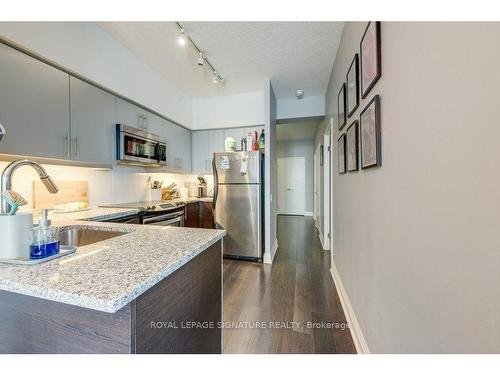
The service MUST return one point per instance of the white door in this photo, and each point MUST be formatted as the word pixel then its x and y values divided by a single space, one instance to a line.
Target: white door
pixel 291 186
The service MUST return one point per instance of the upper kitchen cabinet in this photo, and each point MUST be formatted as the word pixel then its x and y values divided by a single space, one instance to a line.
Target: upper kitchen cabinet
pixel 132 115
pixel 200 141
pixel 205 143
pixel 215 144
pixel 93 114
pixel 178 147
pixel 34 106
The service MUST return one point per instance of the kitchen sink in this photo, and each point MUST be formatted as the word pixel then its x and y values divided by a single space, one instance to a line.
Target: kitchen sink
pixel 82 236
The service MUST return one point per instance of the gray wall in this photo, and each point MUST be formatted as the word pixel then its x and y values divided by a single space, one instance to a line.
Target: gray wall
pixel 417 241
pixel 304 148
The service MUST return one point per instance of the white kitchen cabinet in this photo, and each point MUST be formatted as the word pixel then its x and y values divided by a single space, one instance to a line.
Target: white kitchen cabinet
pixel 132 115
pixel 34 106
pixel 215 143
pixel 205 143
pixel 178 147
pixel 93 116
pixel 199 155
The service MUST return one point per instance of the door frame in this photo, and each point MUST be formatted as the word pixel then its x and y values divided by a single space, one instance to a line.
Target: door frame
pixel 317 190
pixel 327 186
pixel 303 172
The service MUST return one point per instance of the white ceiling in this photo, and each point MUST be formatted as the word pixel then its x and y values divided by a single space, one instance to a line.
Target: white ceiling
pixel 293 54
pixel 296 131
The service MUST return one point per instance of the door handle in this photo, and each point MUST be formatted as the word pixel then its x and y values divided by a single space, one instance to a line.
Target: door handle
pixel 216 189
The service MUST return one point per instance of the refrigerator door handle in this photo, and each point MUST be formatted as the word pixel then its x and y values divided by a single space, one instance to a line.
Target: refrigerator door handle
pixel 216 187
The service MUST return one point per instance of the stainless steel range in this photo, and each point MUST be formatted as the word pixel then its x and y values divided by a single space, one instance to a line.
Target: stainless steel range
pixel 152 213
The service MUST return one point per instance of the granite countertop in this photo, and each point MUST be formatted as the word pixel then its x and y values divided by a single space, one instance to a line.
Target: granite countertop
pixel 107 275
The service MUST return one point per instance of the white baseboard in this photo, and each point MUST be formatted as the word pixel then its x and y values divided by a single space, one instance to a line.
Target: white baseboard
pixel 308 213
pixel 356 333
pixel 326 243
pixel 269 257
pixel 320 235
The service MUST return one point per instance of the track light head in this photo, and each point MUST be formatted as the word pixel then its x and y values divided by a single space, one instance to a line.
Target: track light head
pixel 181 40
pixel 217 78
pixel 201 58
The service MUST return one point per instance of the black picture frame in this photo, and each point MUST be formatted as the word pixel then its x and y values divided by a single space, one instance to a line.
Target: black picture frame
pixel 352 86
pixel 341 165
pixel 369 128
pixel 341 115
pixel 373 31
pixel 352 147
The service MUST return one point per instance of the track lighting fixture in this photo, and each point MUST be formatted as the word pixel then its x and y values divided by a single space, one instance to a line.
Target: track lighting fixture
pixel 201 59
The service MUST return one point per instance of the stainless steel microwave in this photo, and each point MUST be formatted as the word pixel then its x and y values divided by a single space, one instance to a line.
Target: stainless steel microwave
pixel 137 147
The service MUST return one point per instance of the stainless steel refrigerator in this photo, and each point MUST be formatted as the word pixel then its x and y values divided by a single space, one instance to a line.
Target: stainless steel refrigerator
pixel 238 202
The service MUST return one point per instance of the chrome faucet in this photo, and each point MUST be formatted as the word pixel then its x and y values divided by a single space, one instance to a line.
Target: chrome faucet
pixel 7 179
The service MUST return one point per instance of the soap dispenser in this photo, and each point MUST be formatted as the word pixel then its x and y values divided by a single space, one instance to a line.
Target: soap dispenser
pixel 44 238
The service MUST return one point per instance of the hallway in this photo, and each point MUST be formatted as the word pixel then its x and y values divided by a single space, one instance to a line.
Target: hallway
pixel 294 300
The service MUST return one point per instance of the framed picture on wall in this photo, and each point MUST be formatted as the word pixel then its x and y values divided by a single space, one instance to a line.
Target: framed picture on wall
pixel 352 83
pixel 341 117
pixel 370 139
pixel 352 147
pixel 371 59
pixel 341 154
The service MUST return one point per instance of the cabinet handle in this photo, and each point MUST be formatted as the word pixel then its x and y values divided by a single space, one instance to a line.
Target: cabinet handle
pixel 76 147
pixel 139 121
pixel 66 145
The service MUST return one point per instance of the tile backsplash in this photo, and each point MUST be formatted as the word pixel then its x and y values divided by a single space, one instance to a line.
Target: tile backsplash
pixel 119 185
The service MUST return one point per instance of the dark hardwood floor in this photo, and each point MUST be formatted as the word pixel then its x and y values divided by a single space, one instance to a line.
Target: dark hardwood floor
pixel 297 289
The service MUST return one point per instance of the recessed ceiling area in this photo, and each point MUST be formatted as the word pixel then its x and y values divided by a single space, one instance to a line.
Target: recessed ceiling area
pixel 294 55
pixel 295 131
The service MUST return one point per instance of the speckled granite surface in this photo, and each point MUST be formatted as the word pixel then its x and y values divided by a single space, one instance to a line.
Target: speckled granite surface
pixel 107 275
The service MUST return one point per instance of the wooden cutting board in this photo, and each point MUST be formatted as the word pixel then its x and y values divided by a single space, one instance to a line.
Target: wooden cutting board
pixel 69 191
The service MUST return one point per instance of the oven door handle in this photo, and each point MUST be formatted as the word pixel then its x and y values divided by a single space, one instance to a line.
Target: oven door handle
pixel 166 223
pixel 154 219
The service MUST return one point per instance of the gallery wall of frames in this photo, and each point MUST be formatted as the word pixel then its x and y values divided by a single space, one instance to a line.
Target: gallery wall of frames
pixel 360 144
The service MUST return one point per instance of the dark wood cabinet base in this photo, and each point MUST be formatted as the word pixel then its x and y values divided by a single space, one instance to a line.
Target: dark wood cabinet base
pixel 199 215
pixel 181 314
